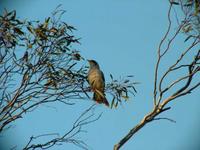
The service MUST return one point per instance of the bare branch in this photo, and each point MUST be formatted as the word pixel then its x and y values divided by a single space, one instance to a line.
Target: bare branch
pixel 164 118
pixel 185 81
pixel 70 136
pixel 39 65
pixel 159 53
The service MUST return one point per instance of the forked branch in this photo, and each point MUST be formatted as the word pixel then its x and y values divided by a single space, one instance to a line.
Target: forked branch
pixel 187 82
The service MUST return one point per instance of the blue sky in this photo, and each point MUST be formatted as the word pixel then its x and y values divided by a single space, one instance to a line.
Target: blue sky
pixel 123 37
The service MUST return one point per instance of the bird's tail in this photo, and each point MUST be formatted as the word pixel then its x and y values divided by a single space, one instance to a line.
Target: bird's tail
pixel 100 98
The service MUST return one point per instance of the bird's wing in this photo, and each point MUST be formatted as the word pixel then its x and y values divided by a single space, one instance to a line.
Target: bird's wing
pixel 96 79
pixel 103 79
pixel 102 76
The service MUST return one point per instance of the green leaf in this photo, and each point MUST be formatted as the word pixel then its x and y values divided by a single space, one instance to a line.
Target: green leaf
pixel 111 76
pixel 174 3
pixel 14 15
pixel 45 25
pixel 126 81
pixel 30 29
pixel 112 103
pixel 125 97
pixel 116 104
pixel 17 30
pixel 188 38
pixel 134 89
pixel 197 7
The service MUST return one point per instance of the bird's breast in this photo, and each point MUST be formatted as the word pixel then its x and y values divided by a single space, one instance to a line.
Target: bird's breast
pixel 95 79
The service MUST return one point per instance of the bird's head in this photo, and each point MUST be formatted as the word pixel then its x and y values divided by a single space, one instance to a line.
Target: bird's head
pixel 93 63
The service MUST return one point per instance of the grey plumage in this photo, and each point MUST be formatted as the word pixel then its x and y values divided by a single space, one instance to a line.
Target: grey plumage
pixel 97 82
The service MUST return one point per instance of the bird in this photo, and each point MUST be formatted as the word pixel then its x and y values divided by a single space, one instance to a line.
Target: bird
pixel 96 81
